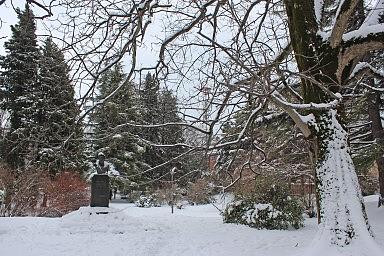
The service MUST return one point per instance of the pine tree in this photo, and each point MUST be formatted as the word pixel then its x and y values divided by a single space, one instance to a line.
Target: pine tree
pixel 56 130
pixel 20 81
pixel 115 139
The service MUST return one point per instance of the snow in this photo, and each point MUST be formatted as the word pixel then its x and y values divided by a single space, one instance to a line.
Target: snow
pixel 318 6
pixel 130 230
pixel 117 136
pixel 343 229
pixel 374 16
pixel 308 119
pixel 363 32
pixel 362 65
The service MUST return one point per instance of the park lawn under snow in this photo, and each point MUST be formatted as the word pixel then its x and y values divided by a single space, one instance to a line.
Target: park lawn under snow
pixel 129 230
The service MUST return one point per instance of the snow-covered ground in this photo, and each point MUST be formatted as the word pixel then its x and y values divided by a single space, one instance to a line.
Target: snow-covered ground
pixel 129 230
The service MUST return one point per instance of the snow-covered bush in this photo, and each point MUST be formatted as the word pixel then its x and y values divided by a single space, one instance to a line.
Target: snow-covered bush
pixel 273 209
pixel 147 201
pixel 133 196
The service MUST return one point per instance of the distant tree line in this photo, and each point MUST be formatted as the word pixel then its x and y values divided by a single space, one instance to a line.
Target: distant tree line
pixel 128 127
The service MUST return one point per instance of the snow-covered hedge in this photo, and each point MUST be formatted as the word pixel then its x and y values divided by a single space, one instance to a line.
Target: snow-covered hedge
pixel 279 212
pixel 147 201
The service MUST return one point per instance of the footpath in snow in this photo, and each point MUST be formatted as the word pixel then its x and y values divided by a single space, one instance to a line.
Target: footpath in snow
pixel 129 230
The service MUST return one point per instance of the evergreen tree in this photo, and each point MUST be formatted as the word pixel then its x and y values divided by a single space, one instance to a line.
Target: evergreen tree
pixel 20 82
pixel 170 134
pixel 115 139
pixel 150 108
pixel 160 107
pixel 150 115
pixel 56 130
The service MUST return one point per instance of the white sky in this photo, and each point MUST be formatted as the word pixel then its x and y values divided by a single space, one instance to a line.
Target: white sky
pixel 147 53
pixel 9 17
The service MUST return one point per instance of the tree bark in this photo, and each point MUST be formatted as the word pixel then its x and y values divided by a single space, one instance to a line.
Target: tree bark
pixel 373 102
pixel 342 211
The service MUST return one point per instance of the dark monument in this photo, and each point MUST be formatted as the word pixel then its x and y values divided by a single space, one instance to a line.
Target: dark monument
pixel 100 191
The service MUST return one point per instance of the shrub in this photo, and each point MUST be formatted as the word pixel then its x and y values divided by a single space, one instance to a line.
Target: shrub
pixel 133 196
pixel 200 192
pixel 169 194
pixel 65 193
pixel 21 191
pixel 147 201
pixel 33 192
pixel 269 209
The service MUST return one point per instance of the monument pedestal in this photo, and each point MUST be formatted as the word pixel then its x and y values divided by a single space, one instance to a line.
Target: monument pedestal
pixel 100 191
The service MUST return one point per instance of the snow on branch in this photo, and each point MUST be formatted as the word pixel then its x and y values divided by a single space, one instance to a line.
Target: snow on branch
pixel 343 14
pixel 301 122
pixel 160 125
pixel 364 67
pixel 318 6
pixel 363 32
pixel 373 16
pixel 373 88
pixel 307 106
pixel 357 43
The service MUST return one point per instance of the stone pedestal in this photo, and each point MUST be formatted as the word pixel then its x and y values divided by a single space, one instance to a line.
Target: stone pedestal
pixel 100 191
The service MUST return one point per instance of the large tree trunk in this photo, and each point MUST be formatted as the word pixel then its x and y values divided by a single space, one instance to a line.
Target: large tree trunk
pixel 373 101
pixel 343 219
pixel 342 213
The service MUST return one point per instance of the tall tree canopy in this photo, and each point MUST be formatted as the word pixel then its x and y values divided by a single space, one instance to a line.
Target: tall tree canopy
pixel 114 137
pixel 39 96
pixel 21 81
pixel 58 133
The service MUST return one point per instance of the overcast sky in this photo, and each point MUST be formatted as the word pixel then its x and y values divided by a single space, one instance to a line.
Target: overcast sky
pixel 8 17
pixel 147 54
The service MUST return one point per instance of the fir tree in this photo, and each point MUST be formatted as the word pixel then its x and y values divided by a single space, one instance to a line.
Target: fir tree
pixel 168 113
pixel 20 82
pixel 170 134
pixel 115 139
pixel 58 133
pixel 150 115
pixel 150 108
pixel 160 107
